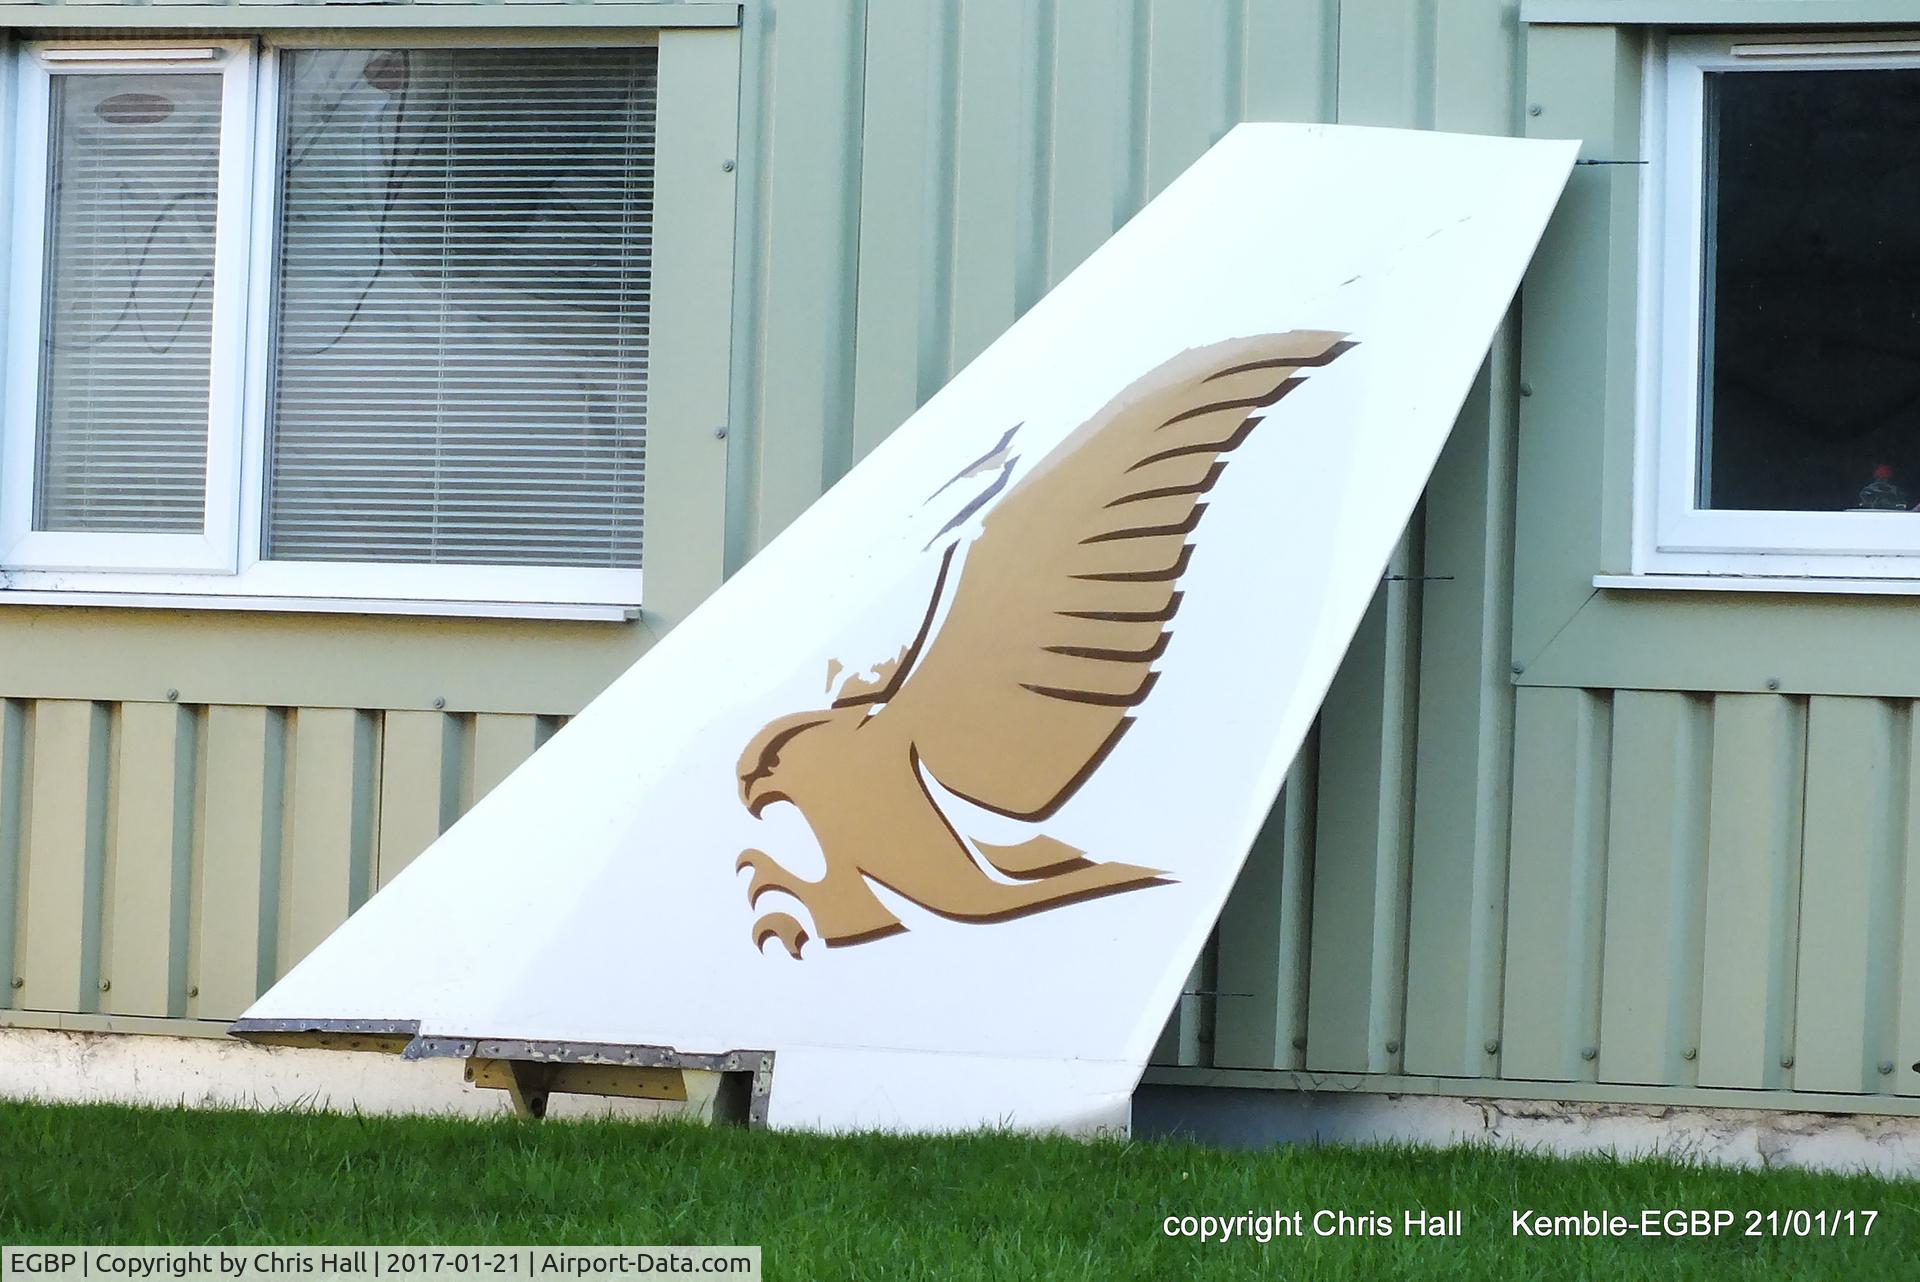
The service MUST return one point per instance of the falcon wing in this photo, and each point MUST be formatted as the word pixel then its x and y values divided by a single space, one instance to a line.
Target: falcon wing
pixel 1063 602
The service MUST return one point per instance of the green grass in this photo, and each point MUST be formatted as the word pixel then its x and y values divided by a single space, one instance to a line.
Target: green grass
pixel 978 1206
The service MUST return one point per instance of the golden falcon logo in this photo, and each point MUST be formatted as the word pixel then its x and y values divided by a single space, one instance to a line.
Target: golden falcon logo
pixel 1052 624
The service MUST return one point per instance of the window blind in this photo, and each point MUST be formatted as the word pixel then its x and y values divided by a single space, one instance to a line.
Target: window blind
pixel 126 345
pixel 460 369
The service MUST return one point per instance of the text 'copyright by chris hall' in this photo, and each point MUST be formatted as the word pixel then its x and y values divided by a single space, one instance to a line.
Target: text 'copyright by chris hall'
pixel 362 1263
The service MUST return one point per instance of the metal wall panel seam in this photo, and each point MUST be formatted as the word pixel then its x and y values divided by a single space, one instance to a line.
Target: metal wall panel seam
pixel 935 356
pixel 1138 50
pixel 1393 848
pixel 365 807
pixel 1882 996
pixel 749 311
pixel 1033 274
pixel 1233 62
pixel 836 454
pixel 1492 837
pixel 13 757
pixel 1296 900
pixel 275 814
pixel 188 754
pixel 1593 824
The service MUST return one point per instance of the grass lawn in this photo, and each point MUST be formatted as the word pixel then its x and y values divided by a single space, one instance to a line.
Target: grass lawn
pixel 977 1206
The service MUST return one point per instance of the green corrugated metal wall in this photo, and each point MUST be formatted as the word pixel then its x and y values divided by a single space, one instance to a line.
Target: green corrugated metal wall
pixel 1473 874
pixel 172 860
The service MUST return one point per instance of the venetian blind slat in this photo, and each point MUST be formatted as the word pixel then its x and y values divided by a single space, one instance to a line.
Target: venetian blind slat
pixel 461 338
pixel 125 363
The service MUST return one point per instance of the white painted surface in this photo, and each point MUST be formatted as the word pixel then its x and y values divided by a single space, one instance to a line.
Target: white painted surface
pixel 1239 1118
pixel 1755 583
pixel 593 896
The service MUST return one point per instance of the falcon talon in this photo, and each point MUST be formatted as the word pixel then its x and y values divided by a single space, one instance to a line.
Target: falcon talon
pixel 783 927
pixel 767 875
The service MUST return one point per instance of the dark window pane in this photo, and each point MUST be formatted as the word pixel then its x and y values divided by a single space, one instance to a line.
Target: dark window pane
pixel 1811 385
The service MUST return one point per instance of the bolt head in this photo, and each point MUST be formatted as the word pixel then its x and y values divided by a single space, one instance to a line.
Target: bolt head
pixel 726 166
pixel 439 701
pixel 1526 388
pixel 1786 1061
pixel 1589 1052
pixel 1689 1053
pixel 106 985
pixel 173 696
pixel 1299 1043
pixel 194 991
pixel 1393 1048
pixel 1886 1067
pixel 1773 683
pixel 19 981
pixel 1534 109
pixel 1493 1046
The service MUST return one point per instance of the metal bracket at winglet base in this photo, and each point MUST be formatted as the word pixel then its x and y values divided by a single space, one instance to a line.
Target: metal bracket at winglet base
pixel 728 1088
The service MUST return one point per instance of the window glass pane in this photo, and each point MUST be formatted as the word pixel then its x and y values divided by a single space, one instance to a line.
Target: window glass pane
pixel 126 341
pixel 1811 386
pixel 462 325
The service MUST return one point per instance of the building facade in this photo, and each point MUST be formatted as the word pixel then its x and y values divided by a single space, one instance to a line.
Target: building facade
pixel 1586 816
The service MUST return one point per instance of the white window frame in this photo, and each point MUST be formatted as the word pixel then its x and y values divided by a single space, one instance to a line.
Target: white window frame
pixel 215 549
pixel 225 564
pixel 1672 535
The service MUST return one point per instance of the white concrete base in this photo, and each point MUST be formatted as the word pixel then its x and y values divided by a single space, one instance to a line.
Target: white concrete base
pixel 211 1072
pixel 207 1072
pixel 1887 1146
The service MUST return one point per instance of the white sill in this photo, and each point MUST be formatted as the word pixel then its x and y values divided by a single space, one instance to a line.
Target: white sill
pixel 325 605
pixel 1756 583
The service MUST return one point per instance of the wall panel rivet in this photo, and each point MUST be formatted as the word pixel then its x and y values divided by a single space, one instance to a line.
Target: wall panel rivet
pixel 1393 1048
pixel 173 696
pixel 106 985
pixel 726 166
pixel 439 701
pixel 19 981
pixel 1589 1052
pixel 1773 683
pixel 1786 1061
pixel 1493 1046
pixel 194 991
pixel 1689 1053
pixel 1299 1043
pixel 720 433
pixel 1534 109
pixel 1517 668
pixel 1526 388
pixel 1886 1067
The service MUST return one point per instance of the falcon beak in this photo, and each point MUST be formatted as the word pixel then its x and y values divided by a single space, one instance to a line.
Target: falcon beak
pixel 756 795
pixel 761 801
